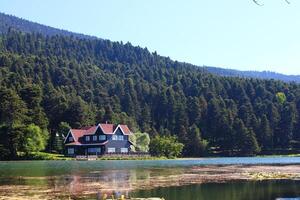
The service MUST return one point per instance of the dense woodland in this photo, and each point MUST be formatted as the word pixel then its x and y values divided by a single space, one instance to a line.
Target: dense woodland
pixel 48 83
pixel 10 21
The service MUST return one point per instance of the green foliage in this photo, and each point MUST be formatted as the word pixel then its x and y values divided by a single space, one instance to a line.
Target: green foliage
pixel 246 140
pixel 266 134
pixel 49 80
pixel 281 97
pixel 140 141
pixel 35 139
pixel 32 96
pixel 167 146
pixel 43 156
pixel 62 131
pixel 196 146
pixel 12 109
pixel 79 113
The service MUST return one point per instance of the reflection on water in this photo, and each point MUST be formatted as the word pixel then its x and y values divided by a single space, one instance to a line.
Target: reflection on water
pixel 172 179
pixel 265 190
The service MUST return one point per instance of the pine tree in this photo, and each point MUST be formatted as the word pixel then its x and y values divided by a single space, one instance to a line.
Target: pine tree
pixel 246 143
pixel 266 137
pixel 196 146
pixel 12 117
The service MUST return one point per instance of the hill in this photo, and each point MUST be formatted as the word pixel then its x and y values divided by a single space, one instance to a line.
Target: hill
pixel 253 74
pixel 50 82
pixel 9 21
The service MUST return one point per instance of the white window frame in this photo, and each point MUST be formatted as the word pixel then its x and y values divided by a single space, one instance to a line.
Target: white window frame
pixel 71 151
pixel 87 138
pixel 102 137
pixel 95 137
pixel 114 137
pixel 124 150
pixel 111 150
pixel 120 137
pixel 71 139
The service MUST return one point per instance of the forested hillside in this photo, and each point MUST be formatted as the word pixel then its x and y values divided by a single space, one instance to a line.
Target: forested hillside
pixel 253 74
pixel 11 22
pixel 48 80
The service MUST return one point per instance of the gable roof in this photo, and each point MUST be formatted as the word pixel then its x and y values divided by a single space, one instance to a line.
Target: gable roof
pixel 124 129
pixel 107 129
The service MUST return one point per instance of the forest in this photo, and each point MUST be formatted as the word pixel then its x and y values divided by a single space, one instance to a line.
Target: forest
pixel 50 83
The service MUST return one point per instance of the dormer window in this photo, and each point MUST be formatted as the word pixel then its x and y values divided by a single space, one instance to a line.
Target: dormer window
pixel 71 139
pixel 95 138
pixel 120 137
pixel 87 138
pixel 102 137
pixel 114 137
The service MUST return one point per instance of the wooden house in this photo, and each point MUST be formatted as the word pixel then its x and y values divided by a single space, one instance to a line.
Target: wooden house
pixel 98 140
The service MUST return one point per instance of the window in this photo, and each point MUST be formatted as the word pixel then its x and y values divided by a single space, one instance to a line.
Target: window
pixel 87 138
pixel 70 150
pixel 94 150
pixel 111 150
pixel 71 139
pixel 124 150
pixel 114 137
pixel 102 137
pixel 120 137
pixel 95 138
pixel 117 137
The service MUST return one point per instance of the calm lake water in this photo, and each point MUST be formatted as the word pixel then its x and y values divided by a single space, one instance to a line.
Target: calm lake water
pixel 161 178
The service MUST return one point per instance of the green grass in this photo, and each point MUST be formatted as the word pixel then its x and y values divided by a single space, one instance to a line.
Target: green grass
pixel 131 158
pixel 279 155
pixel 42 156
pixel 53 156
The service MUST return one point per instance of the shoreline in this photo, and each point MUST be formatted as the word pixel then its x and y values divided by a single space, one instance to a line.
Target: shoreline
pixel 51 156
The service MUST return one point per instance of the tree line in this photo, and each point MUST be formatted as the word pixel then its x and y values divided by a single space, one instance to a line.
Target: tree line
pixel 48 84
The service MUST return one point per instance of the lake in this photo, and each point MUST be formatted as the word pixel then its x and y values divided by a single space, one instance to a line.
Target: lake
pixel 207 178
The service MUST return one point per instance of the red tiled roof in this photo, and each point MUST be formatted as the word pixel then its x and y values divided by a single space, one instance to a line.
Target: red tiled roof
pixel 77 133
pixel 107 128
pixel 125 129
pixel 90 130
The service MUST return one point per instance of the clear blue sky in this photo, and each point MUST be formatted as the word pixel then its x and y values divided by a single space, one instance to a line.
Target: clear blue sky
pixel 226 33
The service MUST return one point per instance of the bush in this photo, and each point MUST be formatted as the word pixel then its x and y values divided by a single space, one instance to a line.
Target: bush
pixel 140 142
pixel 167 146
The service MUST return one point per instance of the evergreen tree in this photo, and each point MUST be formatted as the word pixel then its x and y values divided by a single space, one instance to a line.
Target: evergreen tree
pixel 265 133
pixel 49 80
pixel 196 146
pixel 246 143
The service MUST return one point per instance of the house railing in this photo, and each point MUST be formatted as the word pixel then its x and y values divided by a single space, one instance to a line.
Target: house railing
pixel 126 154
pixel 115 154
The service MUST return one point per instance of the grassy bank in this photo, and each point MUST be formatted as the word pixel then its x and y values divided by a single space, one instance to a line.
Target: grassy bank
pixel 131 158
pixel 53 156
pixel 43 156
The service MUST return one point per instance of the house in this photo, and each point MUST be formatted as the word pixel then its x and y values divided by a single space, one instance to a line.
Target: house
pixel 98 140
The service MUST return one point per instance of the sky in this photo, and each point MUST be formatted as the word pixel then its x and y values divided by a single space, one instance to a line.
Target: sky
pixel 235 34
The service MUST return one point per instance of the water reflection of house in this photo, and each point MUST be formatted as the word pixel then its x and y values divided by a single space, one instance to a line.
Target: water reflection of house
pixel 107 181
